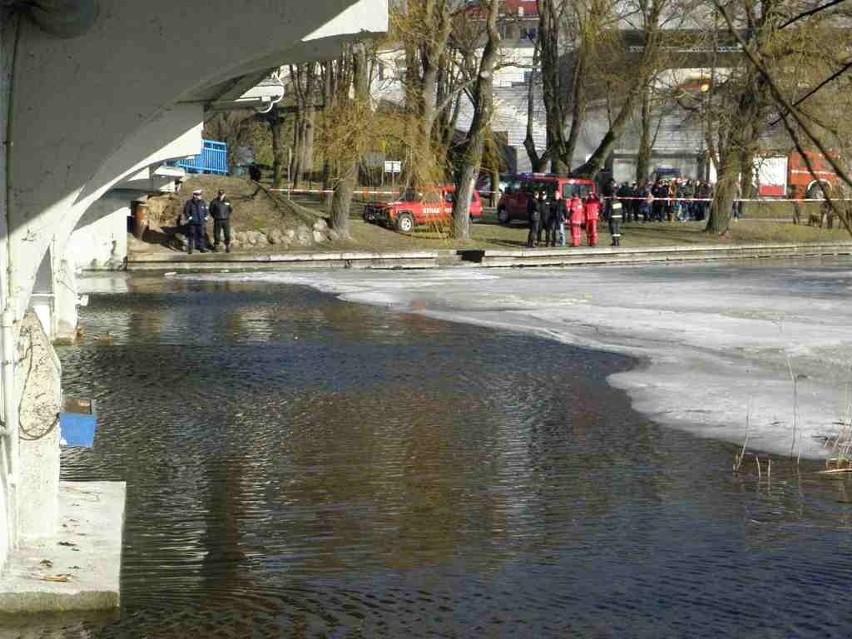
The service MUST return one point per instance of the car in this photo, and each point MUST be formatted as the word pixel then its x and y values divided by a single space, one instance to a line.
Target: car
pixel 514 201
pixel 415 208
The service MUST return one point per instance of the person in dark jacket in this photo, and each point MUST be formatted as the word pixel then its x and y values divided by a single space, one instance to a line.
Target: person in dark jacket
pixel 220 211
pixel 195 214
pixel 615 223
pixel 548 220
pixel 534 215
pixel 608 192
pixel 560 215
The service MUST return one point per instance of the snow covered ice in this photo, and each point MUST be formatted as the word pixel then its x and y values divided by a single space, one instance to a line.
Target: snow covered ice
pixel 715 342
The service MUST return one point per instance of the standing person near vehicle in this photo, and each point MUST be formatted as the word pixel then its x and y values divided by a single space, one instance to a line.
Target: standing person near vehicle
pixel 195 214
pixel 220 211
pixel 534 215
pixel 615 223
pixel 578 219
pixel 541 201
pixel 593 213
pixel 548 220
pixel 560 215
pixel 608 192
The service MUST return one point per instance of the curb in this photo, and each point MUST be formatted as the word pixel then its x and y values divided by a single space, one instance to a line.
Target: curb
pixel 497 258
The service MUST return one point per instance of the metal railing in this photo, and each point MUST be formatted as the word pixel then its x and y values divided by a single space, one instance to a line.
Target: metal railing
pixel 213 159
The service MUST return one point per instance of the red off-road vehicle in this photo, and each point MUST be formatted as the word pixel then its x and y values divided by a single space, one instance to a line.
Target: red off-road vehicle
pixel 513 203
pixel 418 208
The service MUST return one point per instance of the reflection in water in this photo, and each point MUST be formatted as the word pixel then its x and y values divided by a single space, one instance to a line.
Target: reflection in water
pixel 299 466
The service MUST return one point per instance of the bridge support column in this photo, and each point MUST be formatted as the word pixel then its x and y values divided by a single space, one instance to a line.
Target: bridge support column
pixel 65 299
pixel 100 239
pixel 38 374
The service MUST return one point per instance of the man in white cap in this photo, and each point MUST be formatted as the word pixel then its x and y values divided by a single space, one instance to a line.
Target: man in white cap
pixel 195 214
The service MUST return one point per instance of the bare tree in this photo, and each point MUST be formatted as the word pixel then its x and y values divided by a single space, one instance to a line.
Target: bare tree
pixel 483 108
pixel 423 27
pixel 303 82
pixel 768 51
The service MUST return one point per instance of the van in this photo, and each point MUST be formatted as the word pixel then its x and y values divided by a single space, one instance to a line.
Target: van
pixel 513 205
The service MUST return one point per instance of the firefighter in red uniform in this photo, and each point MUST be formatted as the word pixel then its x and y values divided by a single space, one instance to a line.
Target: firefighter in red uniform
pixel 593 214
pixel 578 219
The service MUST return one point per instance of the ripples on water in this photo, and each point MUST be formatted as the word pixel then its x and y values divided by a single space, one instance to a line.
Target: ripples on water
pixel 299 466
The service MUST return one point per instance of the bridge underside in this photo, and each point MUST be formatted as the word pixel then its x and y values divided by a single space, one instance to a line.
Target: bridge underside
pixel 92 93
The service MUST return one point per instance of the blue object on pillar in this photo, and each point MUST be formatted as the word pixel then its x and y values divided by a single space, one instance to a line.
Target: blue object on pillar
pixel 78 423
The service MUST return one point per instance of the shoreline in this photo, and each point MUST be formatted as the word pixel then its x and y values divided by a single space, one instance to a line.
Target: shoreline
pixel 479 258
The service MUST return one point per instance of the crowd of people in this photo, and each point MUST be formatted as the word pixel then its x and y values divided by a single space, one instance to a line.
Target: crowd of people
pixel 678 199
pixel 550 214
pixel 684 200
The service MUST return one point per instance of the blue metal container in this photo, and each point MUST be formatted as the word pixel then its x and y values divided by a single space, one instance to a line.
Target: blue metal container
pixel 78 423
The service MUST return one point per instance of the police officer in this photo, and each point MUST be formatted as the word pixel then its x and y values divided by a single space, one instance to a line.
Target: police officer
pixel 195 214
pixel 220 211
pixel 534 215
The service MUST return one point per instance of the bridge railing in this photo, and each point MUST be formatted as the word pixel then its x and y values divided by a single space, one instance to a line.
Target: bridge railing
pixel 213 159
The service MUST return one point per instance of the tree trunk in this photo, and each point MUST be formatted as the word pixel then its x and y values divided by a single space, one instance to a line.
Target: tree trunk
pixel 344 189
pixel 578 107
pixel 296 155
pixel 649 61
pixel 537 162
pixel 643 159
pixel 483 107
pixel 552 91
pixel 279 158
pixel 719 220
pixel 607 145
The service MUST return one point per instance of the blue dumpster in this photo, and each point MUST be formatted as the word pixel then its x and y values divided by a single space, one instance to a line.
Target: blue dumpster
pixel 78 423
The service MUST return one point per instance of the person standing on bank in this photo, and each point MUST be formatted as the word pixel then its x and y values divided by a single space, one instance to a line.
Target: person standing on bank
pixel 593 214
pixel 534 215
pixel 220 211
pixel 560 214
pixel 578 219
pixel 548 220
pixel 195 214
pixel 615 223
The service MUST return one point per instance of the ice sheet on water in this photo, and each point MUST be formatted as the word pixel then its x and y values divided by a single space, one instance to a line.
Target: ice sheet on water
pixel 718 342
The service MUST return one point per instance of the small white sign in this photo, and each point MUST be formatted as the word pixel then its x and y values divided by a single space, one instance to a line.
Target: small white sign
pixel 393 166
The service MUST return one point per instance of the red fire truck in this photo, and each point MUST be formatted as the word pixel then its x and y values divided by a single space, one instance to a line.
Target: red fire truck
pixel 788 175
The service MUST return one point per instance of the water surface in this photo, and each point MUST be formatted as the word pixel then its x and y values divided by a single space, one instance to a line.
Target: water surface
pixel 301 466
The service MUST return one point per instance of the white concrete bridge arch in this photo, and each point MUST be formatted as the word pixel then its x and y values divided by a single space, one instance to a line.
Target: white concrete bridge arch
pixel 91 93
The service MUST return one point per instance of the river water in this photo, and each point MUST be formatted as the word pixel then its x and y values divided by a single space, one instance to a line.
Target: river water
pixel 301 466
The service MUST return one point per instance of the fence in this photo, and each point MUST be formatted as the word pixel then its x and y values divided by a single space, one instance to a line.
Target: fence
pixel 213 159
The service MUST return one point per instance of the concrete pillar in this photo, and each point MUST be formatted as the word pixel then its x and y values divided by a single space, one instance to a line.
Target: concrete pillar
pixel 64 321
pixel 99 241
pixel 38 375
pixel 41 301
